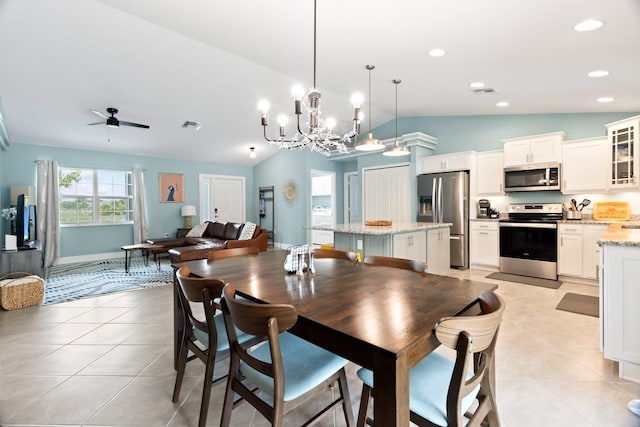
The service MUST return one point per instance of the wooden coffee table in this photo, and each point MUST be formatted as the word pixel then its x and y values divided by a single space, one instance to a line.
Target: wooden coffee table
pixel 146 249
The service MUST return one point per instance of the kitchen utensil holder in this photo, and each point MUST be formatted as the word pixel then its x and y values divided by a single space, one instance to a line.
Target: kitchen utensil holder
pixel 573 215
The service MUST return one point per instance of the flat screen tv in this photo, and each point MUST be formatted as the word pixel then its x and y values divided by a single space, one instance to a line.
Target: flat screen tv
pixel 22 222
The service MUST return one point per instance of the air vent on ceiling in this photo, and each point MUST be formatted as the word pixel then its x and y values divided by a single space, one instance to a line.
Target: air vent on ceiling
pixel 484 90
pixel 192 125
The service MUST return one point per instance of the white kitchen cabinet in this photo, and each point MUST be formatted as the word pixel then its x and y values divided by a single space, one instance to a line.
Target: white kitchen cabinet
pixel 321 237
pixel 578 250
pixel 438 251
pixel 447 163
pixel 591 250
pixel 583 168
pixel 570 250
pixel 322 185
pixel 533 149
pixel 484 243
pixel 412 245
pixel 490 173
pixel 624 145
pixel 620 317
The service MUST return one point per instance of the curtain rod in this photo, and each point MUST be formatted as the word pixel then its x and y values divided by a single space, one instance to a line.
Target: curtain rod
pixel 86 166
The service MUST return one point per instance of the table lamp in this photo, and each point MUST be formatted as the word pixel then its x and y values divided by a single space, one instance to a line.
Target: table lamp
pixel 188 211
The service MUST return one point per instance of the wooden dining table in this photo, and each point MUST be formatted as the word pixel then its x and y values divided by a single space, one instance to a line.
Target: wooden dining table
pixel 380 318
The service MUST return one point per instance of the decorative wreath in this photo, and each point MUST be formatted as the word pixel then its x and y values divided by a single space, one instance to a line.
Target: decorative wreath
pixel 290 191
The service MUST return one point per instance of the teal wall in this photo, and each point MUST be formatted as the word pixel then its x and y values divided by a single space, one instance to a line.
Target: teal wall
pixel 482 133
pixel 454 134
pixel 292 216
pixel 19 168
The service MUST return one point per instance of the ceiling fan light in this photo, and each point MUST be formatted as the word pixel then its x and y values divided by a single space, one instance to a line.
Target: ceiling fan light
pixel 370 144
pixel 112 122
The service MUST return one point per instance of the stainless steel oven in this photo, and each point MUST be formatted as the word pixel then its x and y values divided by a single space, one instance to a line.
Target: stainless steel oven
pixel 528 240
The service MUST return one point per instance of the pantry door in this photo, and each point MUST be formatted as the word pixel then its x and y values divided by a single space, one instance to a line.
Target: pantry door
pixel 222 197
pixel 387 193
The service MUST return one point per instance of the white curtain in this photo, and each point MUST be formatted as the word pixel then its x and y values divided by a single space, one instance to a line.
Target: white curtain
pixel 140 229
pixel 48 210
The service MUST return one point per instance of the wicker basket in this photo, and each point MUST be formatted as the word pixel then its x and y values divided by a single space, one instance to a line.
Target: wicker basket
pixel 20 289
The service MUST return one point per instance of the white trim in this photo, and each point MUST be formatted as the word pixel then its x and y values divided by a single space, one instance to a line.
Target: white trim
pixel 414 139
pixel 346 216
pixel 89 258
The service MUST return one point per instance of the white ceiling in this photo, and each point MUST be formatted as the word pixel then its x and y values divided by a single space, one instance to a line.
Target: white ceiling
pixel 161 62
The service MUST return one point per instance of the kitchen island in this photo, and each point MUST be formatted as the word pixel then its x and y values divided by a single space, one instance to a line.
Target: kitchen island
pixel 620 298
pixel 423 241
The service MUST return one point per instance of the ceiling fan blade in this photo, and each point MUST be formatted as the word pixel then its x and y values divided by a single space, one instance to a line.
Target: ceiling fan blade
pixel 135 125
pixel 100 114
pixel 98 123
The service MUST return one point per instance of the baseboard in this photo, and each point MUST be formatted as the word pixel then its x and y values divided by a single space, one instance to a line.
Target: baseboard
pixel 579 280
pixel 88 258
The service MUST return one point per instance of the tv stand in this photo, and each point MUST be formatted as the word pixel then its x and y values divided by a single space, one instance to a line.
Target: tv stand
pixel 29 261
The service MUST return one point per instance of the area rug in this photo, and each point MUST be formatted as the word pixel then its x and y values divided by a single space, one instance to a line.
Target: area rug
pixel 70 282
pixel 581 304
pixel 534 281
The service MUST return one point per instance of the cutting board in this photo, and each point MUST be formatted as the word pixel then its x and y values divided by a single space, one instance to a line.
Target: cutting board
pixel 618 211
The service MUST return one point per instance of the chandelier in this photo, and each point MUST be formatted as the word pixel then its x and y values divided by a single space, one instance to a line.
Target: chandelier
pixel 317 133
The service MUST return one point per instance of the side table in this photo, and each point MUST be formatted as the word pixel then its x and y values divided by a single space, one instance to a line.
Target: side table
pixel 182 232
pixel 146 249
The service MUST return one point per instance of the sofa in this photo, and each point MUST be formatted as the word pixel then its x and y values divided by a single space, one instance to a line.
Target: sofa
pixel 211 236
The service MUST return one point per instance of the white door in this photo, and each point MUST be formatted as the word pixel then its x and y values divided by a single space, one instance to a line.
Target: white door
pixel 323 205
pixel 387 193
pixel 352 198
pixel 222 197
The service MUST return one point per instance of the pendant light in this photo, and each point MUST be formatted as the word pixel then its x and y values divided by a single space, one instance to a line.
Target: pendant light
pixel 371 143
pixel 396 150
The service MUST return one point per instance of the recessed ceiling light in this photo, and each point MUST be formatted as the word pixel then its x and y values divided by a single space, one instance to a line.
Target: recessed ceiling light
pixel 502 104
pixel 437 52
pixel 476 85
pixel 598 73
pixel 588 25
pixel 605 99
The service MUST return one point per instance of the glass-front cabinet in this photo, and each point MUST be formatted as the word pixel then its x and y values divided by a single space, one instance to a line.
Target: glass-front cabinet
pixel 623 139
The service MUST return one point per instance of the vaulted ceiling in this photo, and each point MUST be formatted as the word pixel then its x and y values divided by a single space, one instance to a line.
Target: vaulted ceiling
pixel 163 62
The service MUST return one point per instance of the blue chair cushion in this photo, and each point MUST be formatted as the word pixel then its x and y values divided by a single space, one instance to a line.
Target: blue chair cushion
pixel 305 366
pixel 428 387
pixel 223 341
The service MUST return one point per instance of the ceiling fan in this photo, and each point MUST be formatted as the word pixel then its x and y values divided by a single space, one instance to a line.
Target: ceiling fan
pixel 113 122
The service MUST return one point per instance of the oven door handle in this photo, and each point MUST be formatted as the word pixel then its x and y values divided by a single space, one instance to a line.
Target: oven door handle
pixel 527 225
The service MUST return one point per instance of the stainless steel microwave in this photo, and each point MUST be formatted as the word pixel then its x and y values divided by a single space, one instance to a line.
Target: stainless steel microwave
pixel 535 177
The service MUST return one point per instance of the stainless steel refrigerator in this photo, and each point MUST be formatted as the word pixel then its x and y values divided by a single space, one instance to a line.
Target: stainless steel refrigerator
pixel 444 197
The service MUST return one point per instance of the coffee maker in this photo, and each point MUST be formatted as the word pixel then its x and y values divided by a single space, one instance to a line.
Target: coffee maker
pixel 484 208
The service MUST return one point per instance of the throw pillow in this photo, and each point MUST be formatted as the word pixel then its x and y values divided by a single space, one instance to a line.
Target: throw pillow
pixel 198 230
pixel 247 231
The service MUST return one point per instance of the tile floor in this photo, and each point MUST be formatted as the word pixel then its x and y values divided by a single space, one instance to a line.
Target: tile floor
pixel 107 361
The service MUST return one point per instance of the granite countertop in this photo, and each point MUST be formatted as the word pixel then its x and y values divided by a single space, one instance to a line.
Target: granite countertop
pixel 621 234
pixel 395 228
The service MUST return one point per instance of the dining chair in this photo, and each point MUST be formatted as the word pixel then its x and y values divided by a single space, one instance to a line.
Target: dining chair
pixel 226 253
pixel 333 253
pixel 285 368
pixel 441 390
pixel 204 336
pixel 406 264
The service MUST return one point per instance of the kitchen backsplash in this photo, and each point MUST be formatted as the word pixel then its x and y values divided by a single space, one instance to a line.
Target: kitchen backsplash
pixel 502 202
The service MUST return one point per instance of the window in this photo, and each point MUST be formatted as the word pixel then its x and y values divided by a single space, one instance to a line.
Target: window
pixel 92 197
